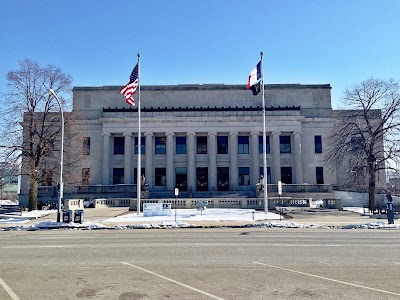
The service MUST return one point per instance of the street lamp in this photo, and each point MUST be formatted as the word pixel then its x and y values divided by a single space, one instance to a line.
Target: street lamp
pixel 52 93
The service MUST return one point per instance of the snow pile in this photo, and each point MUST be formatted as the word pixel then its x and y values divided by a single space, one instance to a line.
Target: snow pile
pixel 287 224
pixel 371 225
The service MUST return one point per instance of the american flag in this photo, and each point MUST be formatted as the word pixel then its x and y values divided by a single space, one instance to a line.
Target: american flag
pixel 130 88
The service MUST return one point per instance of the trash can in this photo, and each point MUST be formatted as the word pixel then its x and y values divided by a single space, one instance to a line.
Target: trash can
pixel 67 216
pixel 78 217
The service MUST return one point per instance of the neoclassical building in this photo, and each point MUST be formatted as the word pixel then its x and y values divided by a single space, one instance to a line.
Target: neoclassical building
pixel 205 137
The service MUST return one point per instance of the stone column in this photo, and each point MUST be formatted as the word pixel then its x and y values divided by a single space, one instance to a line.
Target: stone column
pixel 106 158
pixel 297 158
pixel 234 180
pixel 191 170
pixel 255 159
pixel 128 158
pixel 170 160
pixel 212 157
pixel 149 159
pixel 276 157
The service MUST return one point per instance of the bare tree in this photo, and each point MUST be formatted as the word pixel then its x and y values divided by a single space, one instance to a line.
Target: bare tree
pixel 366 134
pixel 31 121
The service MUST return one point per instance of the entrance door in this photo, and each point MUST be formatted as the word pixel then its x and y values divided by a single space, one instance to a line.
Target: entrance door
pixel 223 178
pixel 201 179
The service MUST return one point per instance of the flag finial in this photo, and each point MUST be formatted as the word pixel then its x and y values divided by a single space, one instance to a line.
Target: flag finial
pixel 261 53
pixel 138 55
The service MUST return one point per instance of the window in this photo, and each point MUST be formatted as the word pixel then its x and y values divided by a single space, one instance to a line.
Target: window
pixel 244 176
pixel 285 144
pixel 181 178
pixel 268 174
pixel 201 145
pixel 286 175
pixel 222 144
pixel 86 146
pixel 119 145
pixel 260 145
pixel 357 144
pixel 319 171
pixel 243 145
pixel 160 178
pixel 118 175
pixel 202 179
pixel 223 178
pixel 47 177
pixel 142 145
pixel 318 143
pixel 85 176
pixel 160 145
pixel 142 173
pixel 180 145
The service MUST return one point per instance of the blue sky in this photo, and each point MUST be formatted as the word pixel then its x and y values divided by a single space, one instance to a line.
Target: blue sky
pixel 195 42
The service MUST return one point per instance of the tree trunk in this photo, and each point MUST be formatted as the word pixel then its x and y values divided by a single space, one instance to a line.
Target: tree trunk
pixel 33 187
pixel 371 187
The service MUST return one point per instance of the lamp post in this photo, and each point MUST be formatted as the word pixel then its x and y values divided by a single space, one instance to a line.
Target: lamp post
pixel 52 93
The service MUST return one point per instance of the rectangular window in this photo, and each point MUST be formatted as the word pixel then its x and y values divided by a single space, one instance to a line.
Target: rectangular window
pixel 85 176
pixel 86 146
pixel 260 145
pixel 160 145
pixel 318 144
pixel 118 175
pixel 142 145
pixel 181 178
pixel 47 177
pixel 142 173
pixel 222 144
pixel 243 145
pixel 201 145
pixel 160 178
pixel 119 145
pixel 268 174
pixel 286 175
pixel 319 171
pixel 244 176
pixel 285 146
pixel 180 145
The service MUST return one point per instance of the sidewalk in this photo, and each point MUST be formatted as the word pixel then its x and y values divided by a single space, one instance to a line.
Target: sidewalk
pixel 121 216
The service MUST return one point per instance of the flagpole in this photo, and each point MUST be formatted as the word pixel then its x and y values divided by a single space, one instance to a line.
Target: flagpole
pixel 139 171
pixel 264 140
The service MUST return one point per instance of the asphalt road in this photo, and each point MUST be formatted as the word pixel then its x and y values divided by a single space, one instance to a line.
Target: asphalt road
pixel 220 263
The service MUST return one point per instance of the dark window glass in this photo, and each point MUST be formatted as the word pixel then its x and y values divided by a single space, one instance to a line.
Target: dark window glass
pixel 86 146
pixel 119 145
pixel 286 175
pixel 47 177
pixel 180 145
pixel 222 144
pixel 201 145
pixel 160 179
pixel 320 175
pixel 243 145
pixel 285 146
pixel 318 143
pixel 260 144
pixel 268 174
pixel 223 178
pixel 142 173
pixel 181 178
pixel 244 176
pixel 85 176
pixel 202 179
pixel 142 145
pixel 118 175
pixel 160 145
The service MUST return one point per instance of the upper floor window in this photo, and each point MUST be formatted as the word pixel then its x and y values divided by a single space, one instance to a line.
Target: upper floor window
pixel 285 146
pixel 160 145
pixel 201 145
pixel 142 145
pixel 260 144
pixel 222 144
pixel 119 145
pixel 86 146
pixel 243 145
pixel 180 145
pixel 318 143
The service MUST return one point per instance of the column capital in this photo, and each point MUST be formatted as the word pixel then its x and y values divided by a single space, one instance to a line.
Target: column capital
pixel 106 134
pixel 127 133
pixel 169 133
pixel 296 132
pixel 191 133
pixel 276 132
pixel 212 133
pixel 148 134
pixel 232 133
pixel 255 133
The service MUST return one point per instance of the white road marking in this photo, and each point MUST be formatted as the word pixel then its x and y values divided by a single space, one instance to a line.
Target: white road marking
pixel 8 290
pixel 329 279
pixel 174 281
pixel 397 263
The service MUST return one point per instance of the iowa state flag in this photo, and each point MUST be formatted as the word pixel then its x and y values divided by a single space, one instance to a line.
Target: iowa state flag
pixel 254 79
